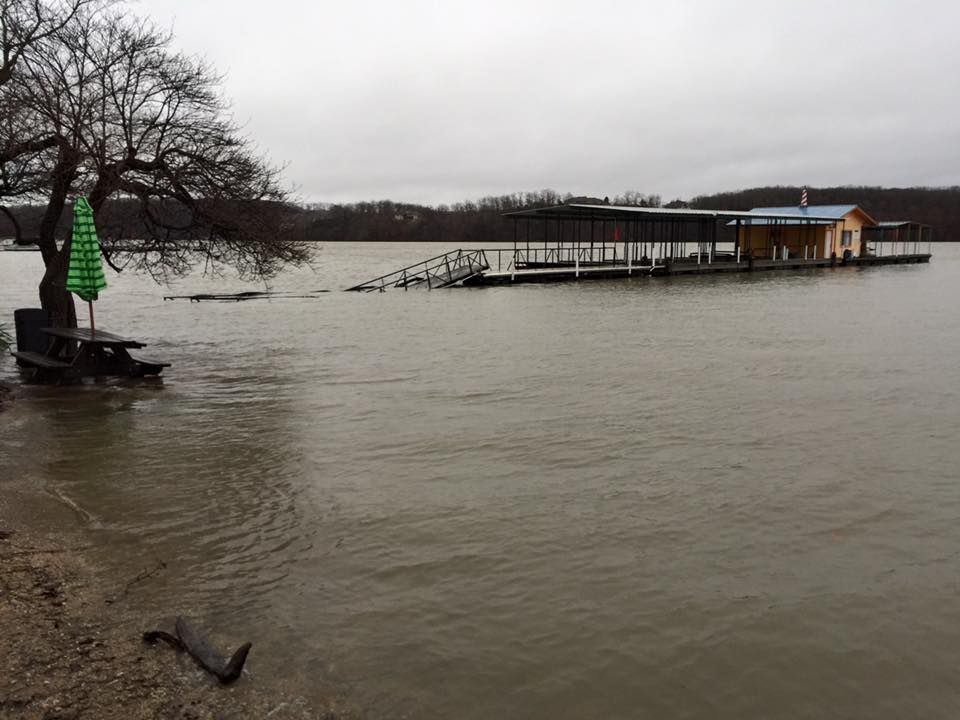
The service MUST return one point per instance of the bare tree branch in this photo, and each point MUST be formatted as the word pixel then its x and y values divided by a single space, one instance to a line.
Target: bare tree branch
pixel 23 23
pixel 102 105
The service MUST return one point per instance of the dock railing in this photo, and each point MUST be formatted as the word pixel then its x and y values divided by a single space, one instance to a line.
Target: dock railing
pixel 527 258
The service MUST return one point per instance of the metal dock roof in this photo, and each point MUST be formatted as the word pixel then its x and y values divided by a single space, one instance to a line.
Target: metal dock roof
pixel 623 212
pixel 833 212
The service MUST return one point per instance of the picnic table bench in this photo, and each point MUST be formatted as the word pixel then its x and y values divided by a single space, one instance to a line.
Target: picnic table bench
pixel 97 353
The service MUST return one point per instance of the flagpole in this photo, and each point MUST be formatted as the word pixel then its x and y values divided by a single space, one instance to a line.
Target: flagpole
pixel 93 328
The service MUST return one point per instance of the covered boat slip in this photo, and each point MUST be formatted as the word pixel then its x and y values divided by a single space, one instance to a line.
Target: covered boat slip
pixel 581 242
pixel 898 237
pixel 572 242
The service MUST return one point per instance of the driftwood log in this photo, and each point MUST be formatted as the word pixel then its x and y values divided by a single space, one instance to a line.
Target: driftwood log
pixel 188 640
pixel 247 295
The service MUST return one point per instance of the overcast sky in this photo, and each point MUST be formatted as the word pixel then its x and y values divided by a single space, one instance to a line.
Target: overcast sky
pixel 442 101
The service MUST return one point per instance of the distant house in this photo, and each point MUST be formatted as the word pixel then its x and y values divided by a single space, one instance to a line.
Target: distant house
pixel 808 231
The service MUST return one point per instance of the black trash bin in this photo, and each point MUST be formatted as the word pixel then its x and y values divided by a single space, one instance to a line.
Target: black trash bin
pixel 28 322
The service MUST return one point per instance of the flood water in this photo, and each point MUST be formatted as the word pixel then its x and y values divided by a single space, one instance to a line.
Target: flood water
pixel 671 498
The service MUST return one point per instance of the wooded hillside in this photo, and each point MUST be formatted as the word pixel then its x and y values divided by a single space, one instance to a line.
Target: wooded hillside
pixel 477 223
pixel 939 207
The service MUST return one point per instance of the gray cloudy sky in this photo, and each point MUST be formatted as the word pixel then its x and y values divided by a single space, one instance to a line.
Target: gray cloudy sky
pixel 442 101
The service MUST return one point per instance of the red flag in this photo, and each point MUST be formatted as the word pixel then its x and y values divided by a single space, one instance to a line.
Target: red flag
pixel 616 233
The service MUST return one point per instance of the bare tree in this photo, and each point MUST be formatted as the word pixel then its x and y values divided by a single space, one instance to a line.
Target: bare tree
pixel 23 23
pixel 636 198
pixel 133 119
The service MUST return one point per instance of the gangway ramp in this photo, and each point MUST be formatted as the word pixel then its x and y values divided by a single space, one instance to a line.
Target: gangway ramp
pixel 438 272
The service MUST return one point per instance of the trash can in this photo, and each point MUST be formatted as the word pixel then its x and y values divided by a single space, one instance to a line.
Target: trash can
pixel 28 322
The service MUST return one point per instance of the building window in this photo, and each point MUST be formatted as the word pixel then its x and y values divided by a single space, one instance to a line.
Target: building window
pixel 847 238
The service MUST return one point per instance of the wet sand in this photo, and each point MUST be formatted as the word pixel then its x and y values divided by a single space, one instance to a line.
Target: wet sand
pixel 72 644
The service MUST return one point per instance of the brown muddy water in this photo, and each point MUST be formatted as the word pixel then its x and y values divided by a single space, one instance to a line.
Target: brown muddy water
pixel 680 498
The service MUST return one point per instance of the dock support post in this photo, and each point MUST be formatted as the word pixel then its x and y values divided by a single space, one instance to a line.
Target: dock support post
pixel 806 251
pixel 773 253
pixel 736 240
pixel 527 258
pixel 714 234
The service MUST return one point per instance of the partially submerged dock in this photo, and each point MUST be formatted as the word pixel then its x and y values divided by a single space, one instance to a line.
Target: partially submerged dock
pixel 593 242
pixel 669 268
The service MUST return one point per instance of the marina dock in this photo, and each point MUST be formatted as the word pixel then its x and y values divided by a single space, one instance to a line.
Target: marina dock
pixel 611 272
pixel 574 242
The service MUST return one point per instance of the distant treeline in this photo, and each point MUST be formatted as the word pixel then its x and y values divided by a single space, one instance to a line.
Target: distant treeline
pixel 480 222
pixel 471 223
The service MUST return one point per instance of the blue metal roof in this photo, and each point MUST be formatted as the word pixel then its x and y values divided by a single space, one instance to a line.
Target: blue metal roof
pixel 834 212
pixel 577 210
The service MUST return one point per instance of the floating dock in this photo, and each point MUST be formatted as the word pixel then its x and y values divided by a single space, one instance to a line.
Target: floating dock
pixel 669 269
pixel 574 242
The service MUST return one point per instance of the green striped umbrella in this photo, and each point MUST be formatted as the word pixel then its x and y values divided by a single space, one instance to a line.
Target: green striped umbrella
pixel 85 275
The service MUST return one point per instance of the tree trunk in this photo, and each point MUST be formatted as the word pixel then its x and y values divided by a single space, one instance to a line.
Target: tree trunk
pixel 54 297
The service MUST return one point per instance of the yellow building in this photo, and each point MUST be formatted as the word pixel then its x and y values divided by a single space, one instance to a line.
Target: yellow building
pixel 812 231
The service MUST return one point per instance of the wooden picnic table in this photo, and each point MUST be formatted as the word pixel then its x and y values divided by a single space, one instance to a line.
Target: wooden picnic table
pixel 75 353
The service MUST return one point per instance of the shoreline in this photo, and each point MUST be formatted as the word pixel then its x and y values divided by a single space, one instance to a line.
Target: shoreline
pixel 73 643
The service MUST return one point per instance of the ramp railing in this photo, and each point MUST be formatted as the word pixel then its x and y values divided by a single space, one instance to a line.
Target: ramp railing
pixel 437 272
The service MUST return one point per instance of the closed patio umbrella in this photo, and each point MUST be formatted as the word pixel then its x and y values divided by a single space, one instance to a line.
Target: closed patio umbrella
pixel 85 274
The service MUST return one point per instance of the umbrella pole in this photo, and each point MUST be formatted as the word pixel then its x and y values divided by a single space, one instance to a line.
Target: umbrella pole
pixel 93 327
